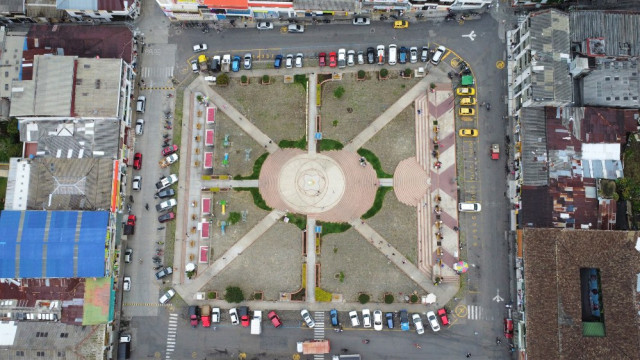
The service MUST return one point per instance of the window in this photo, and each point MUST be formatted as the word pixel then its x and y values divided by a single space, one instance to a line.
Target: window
pixel 40 354
pixel 64 335
pixel 62 354
pixel 19 353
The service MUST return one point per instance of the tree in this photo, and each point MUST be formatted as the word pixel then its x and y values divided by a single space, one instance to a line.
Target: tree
pixel 223 79
pixel 384 73
pixel 243 78
pixel 234 217
pixel 265 79
pixel 361 74
pixel 407 72
pixel 233 294
pixel 338 92
pixel 388 299
pixel 12 128
pixel 363 298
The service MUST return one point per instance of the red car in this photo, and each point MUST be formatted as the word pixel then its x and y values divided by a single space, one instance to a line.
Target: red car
pixel 508 328
pixel 169 150
pixel 322 58
pixel 131 220
pixel 442 313
pixel 244 315
pixel 137 161
pixel 166 217
pixel 332 59
pixel 275 319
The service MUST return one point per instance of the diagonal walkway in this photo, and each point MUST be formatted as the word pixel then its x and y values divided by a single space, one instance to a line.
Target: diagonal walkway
pixel 390 114
pixel 193 286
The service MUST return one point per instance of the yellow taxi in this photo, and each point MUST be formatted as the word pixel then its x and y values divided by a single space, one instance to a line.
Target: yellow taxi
pixel 400 24
pixel 468 133
pixel 466 111
pixel 468 101
pixel 465 91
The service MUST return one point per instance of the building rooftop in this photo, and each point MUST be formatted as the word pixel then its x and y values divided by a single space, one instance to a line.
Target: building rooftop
pixel 550 56
pixel 319 5
pixel 606 33
pixel 85 41
pixel 97 87
pixel 10 58
pixel 535 171
pixel 560 301
pixel 44 9
pixel 77 138
pixel 612 82
pixel 12 7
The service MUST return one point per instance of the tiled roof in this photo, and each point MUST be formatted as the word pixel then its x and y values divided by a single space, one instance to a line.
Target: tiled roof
pixel 620 30
pixel 553 298
pixel 537 206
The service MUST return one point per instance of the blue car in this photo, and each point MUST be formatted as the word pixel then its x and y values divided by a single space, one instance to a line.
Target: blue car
pixel 403 55
pixel 333 313
pixel 278 62
pixel 235 64
pixel 389 317
pixel 404 320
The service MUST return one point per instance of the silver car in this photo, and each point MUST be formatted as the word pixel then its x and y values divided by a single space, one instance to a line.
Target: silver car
pixel 351 56
pixel 288 63
pixel 299 57
pixel 361 20
pixel 265 25
pixel 295 28
pixel 247 61
pixel 413 55
pixel 307 318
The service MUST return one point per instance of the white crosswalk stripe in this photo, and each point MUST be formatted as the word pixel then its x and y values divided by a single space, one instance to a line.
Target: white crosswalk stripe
pixel 318 330
pixel 171 335
pixel 474 312
pixel 162 72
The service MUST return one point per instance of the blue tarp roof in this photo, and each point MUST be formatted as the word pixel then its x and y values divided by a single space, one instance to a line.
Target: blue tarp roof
pixel 52 244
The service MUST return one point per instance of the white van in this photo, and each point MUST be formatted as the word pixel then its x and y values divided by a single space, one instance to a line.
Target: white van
pixel 469 207
pixel 256 323
pixel 435 60
pixel 141 104
pixel 393 54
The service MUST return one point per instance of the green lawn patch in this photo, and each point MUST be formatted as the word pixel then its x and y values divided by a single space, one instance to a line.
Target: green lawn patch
pixel 297 144
pixel 298 220
pixel 374 161
pixel 333 228
pixel 301 79
pixel 329 144
pixel 257 198
pixel 322 295
pixel 257 166
pixel 377 203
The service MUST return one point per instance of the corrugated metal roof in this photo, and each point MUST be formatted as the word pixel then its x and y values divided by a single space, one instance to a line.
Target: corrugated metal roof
pixel 12 6
pixel 550 51
pixel 97 92
pixel 113 5
pixel 326 5
pixel 534 147
pixel 23 95
pixel 620 30
pixel 54 85
pixel 612 83
pixel 77 4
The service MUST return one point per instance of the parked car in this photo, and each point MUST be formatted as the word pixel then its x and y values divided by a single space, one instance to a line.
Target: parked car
pixel 128 254
pixel 137 161
pixel 141 104
pixel 371 55
pixel 136 184
pixel 351 55
pixel 233 316
pixel 404 320
pixel 360 57
pixel 333 314
pixel 295 28
pixel 139 126
pixel 167 217
pixel 508 328
pixel 465 111
pixel 307 318
pixel 164 272
pixel 442 313
pixel 413 55
pixel 433 321
pixel 194 315
pixel 377 320
pixel 380 51
pixel 402 55
pixel 468 101
pixel 215 315
pixel 366 318
pixel 393 54
pixel 417 322
pixel 166 205
pixel 468 133
pixel 126 283
pixel 247 61
pixel 342 58
pixel 243 311
pixel 205 315
pixel 469 207
pixel 277 63
pixel 199 48
pixel 299 57
pixel 332 59
pixel 389 317
pixel 265 25
pixel 361 20
pixel 322 59
pixel 166 181
pixel 437 56
pixel 171 158
pixel 424 54
pixel 194 66
pixel 355 321
pixel 289 61
pixel 400 24
pixel 465 91
pixel 169 150
pixel 275 319
pixel 235 64
pixel 166 193
pixel 216 63
pixel 167 296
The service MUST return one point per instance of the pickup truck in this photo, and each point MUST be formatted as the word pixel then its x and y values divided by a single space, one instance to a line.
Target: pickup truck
pixel 256 322
pixel 129 228
pixel 164 272
pixel 202 61
pixel 226 62
pixel 166 181
pixel 342 58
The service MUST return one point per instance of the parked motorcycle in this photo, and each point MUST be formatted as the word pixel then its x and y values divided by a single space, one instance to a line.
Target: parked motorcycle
pixel 488 106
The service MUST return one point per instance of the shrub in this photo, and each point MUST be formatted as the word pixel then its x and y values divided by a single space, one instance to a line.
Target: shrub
pixel 257 198
pixel 234 217
pixel 223 79
pixel 407 72
pixel 211 295
pixel 432 85
pixel 388 299
pixel 361 74
pixel 265 79
pixel 333 228
pixel 384 73
pixel 334 123
pixel 244 79
pixel 341 276
pixel 329 144
pixel 338 92
pixel 199 98
pixel 233 294
pixel 363 298
pixel 257 296
pixel 414 298
pixel 298 144
pixel 298 220
pixel 257 166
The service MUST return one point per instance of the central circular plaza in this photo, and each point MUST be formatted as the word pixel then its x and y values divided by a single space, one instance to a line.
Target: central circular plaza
pixel 311 183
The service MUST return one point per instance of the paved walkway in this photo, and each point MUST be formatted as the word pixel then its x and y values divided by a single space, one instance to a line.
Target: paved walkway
pixel 312 113
pixel 311 260
pixel 226 184
pixel 190 287
pixel 386 182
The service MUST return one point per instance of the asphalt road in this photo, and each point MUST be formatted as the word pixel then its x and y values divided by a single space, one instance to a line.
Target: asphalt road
pixel 479 318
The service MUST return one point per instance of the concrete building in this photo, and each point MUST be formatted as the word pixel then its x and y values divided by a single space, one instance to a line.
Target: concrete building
pixel 56 11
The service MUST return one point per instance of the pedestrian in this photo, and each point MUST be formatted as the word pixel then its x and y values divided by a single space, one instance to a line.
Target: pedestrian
pixel 403 262
pixel 419 112
pixel 468 355
pixel 394 254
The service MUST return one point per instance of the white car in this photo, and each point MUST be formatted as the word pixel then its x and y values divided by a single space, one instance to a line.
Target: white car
pixel 417 322
pixel 413 55
pixel 377 320
pixel 380 51
pixel 361 20
pixel 288 63
pixel 139 126
pixel 433 321
pixel 167 296
pixel 166 205
pixel 293 28
pixel 299 57
pixel 307 318
pixel 265 25
pixel 126 285
pixel 171 158
pixel 360 57
pixel 342 58
pixel 194 66
pixel 199 48
pixel 351 55
pixel 137 183
pixel 233 316
pixel 437 56
pixel 353 315
pixel 215 315
pixel 366 318
pixel 247 61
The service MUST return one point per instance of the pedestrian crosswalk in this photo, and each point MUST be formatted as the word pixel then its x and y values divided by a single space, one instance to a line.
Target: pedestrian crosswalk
pixel 318 330
pixel 171 335
pixel 474 312
pixel 146 304
pixel 162 72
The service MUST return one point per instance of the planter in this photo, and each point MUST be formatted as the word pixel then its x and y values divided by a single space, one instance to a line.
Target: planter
pixel 258 295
